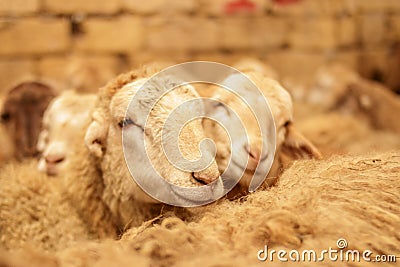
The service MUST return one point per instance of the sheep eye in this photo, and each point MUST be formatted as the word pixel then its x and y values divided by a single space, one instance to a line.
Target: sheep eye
pixel 5 117
pixel 221 105
pixel 126 122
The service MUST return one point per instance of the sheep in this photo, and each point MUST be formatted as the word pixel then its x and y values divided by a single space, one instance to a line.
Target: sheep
pixel 314 204
pixel 22 113
pixel 329 83
pixel 65 156
pixel 34 209
pixel 101 186
pixel 341 89
pixel 290 144
pixel 63 127
pixel 372 102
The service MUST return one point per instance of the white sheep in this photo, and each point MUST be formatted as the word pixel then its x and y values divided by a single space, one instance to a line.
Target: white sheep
pixel 63 127
pixel 290 144
pixel 63 154
pixel 21 115
pixel 99 182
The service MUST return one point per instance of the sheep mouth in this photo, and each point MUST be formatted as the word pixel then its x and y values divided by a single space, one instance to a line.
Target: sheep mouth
pixel 51 170
pixel 198 181
pixel 201 194
pixel 248 167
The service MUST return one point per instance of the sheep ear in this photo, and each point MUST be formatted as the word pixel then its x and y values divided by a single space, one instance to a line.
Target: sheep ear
pixel 95 137
pixel 296 146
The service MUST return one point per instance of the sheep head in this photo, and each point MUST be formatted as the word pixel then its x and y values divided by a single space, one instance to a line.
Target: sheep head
pixel 64 126
pixel 22 114
pixel 115 118
pixel 330 83
pixel 247 155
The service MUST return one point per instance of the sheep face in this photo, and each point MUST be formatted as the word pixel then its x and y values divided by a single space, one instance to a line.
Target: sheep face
pixel 330 83
pixel 248 155
pixel 247 149
pixel 22 114
pixel 247 152
pixel 64 124
pixel 135 122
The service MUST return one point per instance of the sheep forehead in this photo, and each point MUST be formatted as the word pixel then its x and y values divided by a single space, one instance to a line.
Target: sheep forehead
pixel 151 94
pixel 120 101
pixel 73 105
pixel 166 105
pixel 69 109
pixel 278 98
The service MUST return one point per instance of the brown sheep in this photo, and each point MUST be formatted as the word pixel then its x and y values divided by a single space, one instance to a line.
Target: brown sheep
pixel 22 114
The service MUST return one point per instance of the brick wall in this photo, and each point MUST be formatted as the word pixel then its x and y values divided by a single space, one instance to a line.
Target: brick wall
pixel 82 44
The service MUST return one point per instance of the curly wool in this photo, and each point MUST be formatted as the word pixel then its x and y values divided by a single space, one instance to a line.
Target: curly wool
pixel 313 205
pixel 33 211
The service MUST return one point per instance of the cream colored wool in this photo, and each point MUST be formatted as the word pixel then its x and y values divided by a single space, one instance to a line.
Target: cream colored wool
pixel 34 212
pixel 313 205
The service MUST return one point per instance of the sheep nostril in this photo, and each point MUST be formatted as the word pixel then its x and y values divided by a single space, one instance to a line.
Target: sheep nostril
pixel 54 159
pixel 199 178
pixel 59 160
pixel 253 152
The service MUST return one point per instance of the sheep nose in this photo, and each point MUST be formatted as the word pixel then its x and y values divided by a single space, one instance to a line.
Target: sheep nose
pixel 254 152
pixel 208 175
pixel 54 158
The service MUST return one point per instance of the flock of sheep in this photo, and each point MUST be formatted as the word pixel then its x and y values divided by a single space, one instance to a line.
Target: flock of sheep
pixel 80 189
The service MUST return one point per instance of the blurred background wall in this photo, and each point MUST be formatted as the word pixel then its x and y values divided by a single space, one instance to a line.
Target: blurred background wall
pixel 83 43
